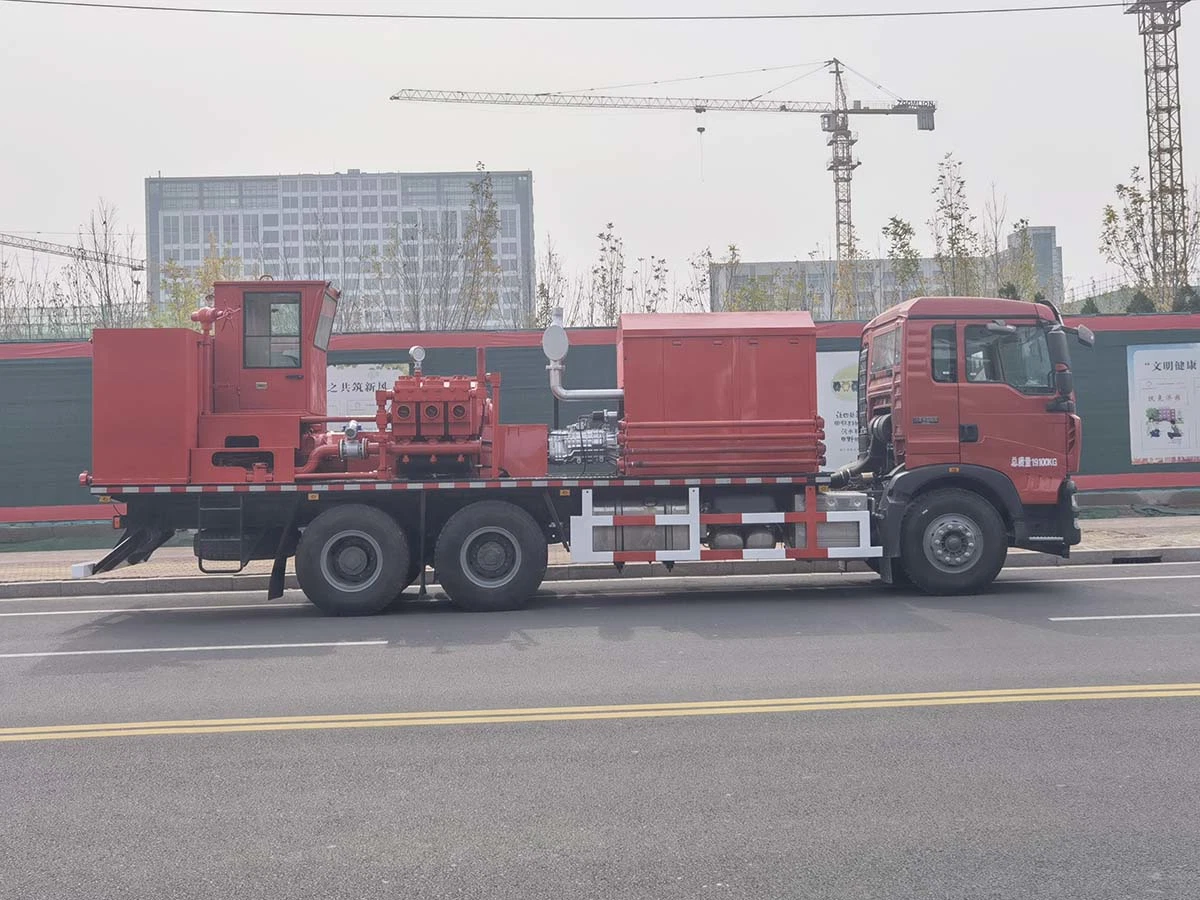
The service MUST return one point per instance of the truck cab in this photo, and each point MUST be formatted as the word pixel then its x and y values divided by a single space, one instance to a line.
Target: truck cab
pixel 976 396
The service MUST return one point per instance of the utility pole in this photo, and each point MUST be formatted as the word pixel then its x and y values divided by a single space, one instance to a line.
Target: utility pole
pixel 1158 23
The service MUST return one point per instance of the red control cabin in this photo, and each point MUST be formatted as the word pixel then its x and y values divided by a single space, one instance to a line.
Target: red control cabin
pixel 708 448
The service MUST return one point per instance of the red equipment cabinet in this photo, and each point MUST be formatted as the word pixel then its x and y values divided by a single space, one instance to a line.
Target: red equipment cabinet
pixel 727 393
pixel 146 396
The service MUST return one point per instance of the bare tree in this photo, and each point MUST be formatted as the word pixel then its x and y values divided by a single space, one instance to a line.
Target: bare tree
pixel 113 288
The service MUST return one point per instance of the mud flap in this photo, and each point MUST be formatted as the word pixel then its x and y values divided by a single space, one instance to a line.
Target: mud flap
pixel 135 547
pixel 283 551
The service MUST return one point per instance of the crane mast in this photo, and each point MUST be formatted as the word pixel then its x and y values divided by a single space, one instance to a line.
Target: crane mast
pixel 835 121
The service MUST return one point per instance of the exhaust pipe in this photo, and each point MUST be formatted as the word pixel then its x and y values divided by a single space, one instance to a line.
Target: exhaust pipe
pixel 555 345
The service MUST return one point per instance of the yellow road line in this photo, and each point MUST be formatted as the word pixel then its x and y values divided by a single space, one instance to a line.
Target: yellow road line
pixel 575 713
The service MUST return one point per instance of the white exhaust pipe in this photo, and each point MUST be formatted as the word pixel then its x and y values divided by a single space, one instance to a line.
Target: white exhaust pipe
pixel 555 345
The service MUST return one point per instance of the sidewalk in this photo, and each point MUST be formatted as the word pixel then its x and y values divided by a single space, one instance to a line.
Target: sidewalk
pixel 173 569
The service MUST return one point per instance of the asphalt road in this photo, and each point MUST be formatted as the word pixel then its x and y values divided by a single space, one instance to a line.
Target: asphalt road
pixel 263 751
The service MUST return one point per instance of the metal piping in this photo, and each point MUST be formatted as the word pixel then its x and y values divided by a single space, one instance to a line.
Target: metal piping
pixel 554 345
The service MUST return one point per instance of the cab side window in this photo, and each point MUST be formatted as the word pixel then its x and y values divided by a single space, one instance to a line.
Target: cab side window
pixel 944 354
pixel 271 332
pixel 1020 358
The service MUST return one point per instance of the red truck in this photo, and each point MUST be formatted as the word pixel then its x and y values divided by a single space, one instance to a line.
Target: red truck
pixel 710 447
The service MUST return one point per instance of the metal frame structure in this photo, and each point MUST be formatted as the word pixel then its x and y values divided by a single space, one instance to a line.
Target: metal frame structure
pixel 1158 23
pixel 835 121
pixel 115 259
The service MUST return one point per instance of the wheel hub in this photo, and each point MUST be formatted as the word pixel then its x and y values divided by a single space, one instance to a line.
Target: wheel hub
pixel 490 557
pixel 351 561
pixel 952 542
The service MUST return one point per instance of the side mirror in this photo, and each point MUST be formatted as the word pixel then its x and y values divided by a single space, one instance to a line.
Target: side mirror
pixel 1086 336
pixel 1064 383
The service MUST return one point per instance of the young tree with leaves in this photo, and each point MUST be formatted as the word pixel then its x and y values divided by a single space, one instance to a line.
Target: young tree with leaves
pixel 1140 305
pixel 904 257
pixel 1127 239
pixel 955 240
pixel 184 290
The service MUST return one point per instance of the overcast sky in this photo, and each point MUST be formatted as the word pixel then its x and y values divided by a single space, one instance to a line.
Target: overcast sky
pixel 1048 106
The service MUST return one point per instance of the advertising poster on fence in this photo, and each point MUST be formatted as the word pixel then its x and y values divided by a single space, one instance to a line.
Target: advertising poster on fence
pixel 350 389
pixel 837 404
pixel 1164 403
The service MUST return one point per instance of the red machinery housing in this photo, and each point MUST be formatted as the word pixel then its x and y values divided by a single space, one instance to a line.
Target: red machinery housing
pixel 728 393
pixel 244 401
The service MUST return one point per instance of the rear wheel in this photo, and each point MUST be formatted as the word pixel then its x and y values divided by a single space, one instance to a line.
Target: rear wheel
pixel 490 556
pixel 351 560
pixel 953 542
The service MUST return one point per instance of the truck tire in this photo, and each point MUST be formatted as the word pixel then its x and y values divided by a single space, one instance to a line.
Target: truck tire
pixel 351 560
pixel 952 542
pixel 490 556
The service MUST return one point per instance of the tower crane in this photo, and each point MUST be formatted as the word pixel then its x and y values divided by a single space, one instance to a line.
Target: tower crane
pixel 1158 22
pixel 115 259
pixel 835 121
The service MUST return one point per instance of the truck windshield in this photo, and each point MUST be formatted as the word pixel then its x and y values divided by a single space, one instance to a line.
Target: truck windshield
pixel 1020 359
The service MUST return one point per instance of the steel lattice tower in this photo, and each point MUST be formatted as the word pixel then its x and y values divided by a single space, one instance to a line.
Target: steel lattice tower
pixel 1158 22
pixel 842 164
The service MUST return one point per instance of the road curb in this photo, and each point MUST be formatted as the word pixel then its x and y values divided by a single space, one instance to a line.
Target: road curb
pixel 185 584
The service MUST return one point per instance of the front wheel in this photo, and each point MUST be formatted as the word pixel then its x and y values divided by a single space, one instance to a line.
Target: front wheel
pixel 953 542
pixel 490 556
pixel 351 559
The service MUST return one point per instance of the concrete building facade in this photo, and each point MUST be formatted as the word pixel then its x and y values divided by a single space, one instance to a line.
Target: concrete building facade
pixel 399 245
pixel 810 284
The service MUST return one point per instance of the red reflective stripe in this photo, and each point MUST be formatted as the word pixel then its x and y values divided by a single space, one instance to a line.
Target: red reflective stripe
pixel 634 520
pixel 635 556
pixel 721 519
pixel 720 554
pixel 805 553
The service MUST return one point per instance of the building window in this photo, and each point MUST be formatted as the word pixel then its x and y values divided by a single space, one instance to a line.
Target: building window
pixel 388 200
pixel 270 220
pixel 291 218
pixel 191 229
pixel 311 235
pixel 329 185
pixel 309 202
pixel 369 217
pixel 329 235
pixel 389 217
pixel 370 200
pixel 212 229
pixel 291 235
pixel 509 248
pixel 349 184
pixel 291 202
pixel 370 234
pixel 388 184
pixel 349 200
pixel 349 234
pixel 329 218
pixel 349 218
pixel 250 229
pixel 231 229
pixel 270 237
pixel 329 200
pixel 508 223
pixel 310 185
pixel 170 229
pixel 289 185
pixel 191 254
pixel 271 330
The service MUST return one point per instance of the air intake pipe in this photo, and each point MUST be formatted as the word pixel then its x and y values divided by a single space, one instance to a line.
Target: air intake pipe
pixel 555 345
pixel 880 436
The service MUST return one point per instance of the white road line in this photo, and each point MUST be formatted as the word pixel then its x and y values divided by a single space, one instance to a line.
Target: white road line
pixel 1083 580
pixel 209 649
pixel 1190 615
pixel 154 609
